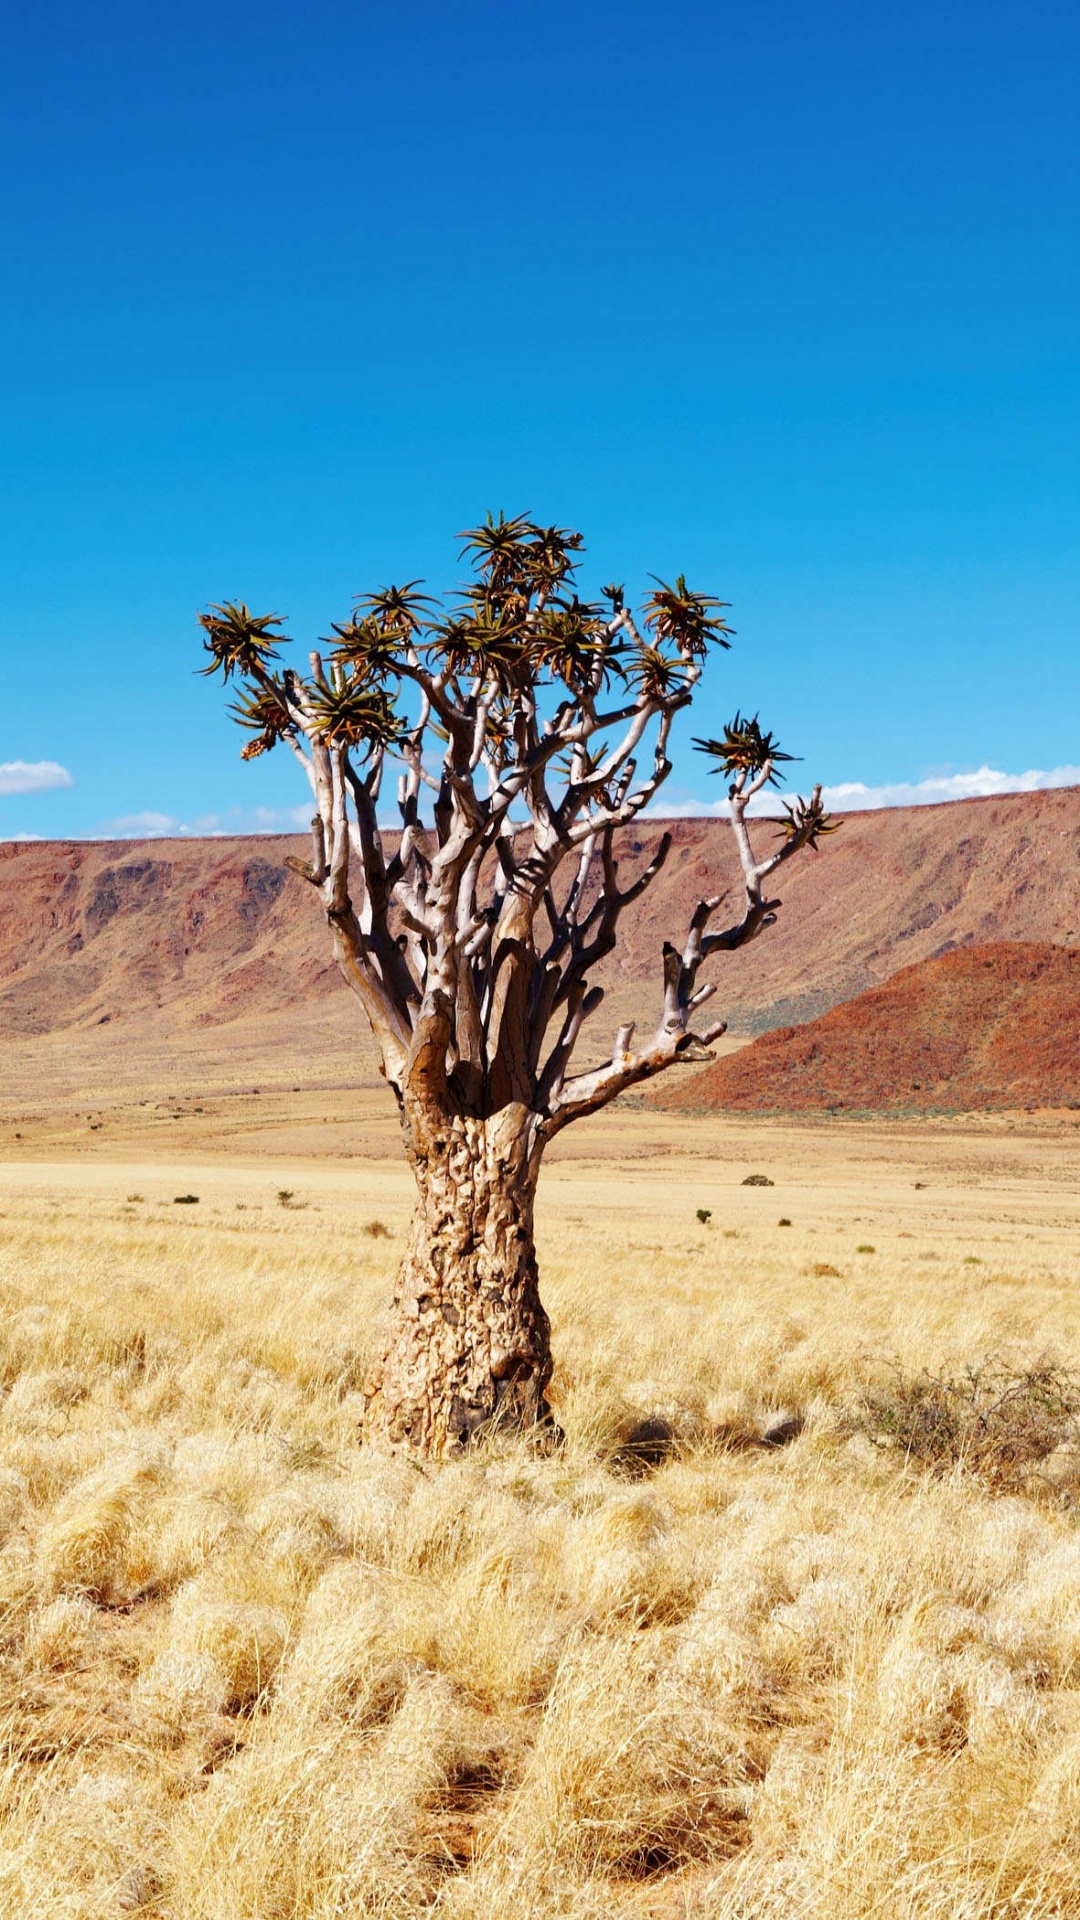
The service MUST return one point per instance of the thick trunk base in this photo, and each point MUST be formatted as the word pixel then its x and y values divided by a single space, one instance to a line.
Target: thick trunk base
pixel 468 1348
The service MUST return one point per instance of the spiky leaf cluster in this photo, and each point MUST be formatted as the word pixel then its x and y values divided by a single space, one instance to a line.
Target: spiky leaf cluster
pixel 574 646
pixel 365 647
pixel 239 641
pixel 517 625
pixel 263 711
pixel 400 611
pixel 654 674
pixel 349 711
pixel 486 639
pixel 690 621
pixel 519 559
pixel 746 748
pixel 808 820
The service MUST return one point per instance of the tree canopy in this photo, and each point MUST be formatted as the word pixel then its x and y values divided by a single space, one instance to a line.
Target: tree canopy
pixel 525 725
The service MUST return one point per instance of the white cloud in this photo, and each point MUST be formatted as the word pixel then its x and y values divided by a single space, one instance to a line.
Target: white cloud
pixel 32 776
pixel 149 825
pixel 854 796
pixel 142 826
pixel 848 796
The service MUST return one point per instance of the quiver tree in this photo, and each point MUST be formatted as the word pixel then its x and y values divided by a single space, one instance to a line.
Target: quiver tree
pixel 526 726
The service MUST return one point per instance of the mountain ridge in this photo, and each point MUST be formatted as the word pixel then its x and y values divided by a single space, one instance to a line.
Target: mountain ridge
pixel 207 959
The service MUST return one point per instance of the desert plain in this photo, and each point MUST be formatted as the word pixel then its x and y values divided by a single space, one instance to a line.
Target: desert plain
pixel 787 1623
pixel 735 1647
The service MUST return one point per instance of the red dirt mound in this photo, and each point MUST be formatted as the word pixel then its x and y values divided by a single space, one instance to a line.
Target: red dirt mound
pixel 983 1026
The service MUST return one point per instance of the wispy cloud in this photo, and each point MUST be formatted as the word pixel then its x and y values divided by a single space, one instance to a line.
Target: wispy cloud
pixel 147 825
pixel 984 782
pixel 855 796
pixel 150 825
pixel 32 776
pixel 848 796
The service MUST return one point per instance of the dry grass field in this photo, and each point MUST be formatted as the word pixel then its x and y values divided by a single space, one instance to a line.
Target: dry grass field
pixel 250 1671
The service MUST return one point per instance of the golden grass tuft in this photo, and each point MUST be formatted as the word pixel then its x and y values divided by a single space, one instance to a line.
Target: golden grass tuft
pixel 93 1541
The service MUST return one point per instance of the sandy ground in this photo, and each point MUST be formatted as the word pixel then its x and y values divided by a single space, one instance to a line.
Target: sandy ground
pixel 996 1184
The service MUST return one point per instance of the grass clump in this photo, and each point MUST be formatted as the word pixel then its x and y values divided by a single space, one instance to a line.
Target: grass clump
pixel 1000 1421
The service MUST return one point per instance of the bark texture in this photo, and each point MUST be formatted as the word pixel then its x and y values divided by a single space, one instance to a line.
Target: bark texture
pixel 468 1347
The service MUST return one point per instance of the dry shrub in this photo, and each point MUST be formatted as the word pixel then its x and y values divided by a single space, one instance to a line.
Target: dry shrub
pixel 625 1561
pixel 488 1636
pixel 1037 1618
pixel 35 1397
pixel 1001 1421
pixel 943 1685
pixel 295 1532
pixel 14 1500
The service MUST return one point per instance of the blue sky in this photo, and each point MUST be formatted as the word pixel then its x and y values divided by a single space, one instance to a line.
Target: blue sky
pixel 783 296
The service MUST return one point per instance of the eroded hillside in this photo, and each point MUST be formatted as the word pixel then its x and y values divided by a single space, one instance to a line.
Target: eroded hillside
pixel 205 962
pixel 985 1027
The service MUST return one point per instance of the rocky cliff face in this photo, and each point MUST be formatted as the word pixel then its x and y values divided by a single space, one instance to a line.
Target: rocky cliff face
pixel 199 951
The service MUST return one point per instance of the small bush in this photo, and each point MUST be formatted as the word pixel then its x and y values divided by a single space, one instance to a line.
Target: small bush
pixel 133 1199
pixel 758 1180
pixel 185 1200
pixel 704 1214
pixel 999 1420
pixel 824 1270
pixel 377 1230
pixel 865 1247
pixel 784 1221
pixel 285 1196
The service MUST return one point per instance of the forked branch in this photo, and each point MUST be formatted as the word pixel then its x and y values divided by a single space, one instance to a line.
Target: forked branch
pixel 522 712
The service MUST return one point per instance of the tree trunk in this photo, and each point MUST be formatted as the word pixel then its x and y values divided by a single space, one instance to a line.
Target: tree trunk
pixel 468 1346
